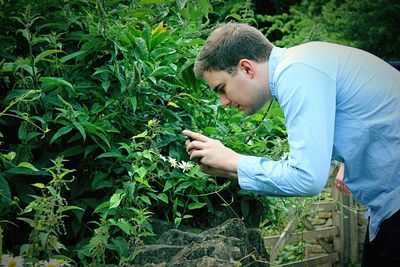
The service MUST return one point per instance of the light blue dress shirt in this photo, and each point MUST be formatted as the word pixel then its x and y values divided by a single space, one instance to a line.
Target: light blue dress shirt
pixel 342 103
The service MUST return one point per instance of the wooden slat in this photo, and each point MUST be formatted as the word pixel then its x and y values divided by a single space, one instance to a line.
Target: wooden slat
pixel 353 224
pixel 334 257
pixel 304 236
pixel 323 206
pixel 328 248
pixel 283 238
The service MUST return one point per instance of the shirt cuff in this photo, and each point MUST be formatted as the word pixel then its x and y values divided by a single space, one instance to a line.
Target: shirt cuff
pixel 255 174
pixel 246 170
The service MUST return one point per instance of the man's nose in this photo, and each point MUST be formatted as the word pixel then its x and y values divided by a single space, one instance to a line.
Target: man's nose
pixel 224 100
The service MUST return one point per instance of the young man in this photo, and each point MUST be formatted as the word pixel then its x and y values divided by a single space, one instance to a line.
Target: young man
pixel 339 102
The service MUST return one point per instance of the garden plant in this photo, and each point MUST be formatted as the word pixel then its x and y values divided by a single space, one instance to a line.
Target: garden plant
pixel 94 97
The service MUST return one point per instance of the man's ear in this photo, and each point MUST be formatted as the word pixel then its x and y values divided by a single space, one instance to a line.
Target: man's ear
pixel 247 66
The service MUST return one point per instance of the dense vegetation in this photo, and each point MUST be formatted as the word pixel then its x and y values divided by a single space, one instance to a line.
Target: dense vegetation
pixel 94 96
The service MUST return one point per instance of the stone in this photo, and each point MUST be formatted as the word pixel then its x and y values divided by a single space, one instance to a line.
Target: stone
pixel 229 244
pixel 155 254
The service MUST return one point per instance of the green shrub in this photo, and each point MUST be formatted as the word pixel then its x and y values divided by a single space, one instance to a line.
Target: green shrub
pixel 95 95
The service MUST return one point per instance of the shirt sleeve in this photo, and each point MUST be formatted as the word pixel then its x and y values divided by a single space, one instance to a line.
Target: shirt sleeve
pixel 308 100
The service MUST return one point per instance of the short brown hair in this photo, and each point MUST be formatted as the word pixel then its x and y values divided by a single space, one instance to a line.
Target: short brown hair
pixel 230 43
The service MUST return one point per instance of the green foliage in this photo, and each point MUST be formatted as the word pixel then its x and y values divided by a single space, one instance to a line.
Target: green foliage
pixel 368 25
pixel 48 213
pixel 103 89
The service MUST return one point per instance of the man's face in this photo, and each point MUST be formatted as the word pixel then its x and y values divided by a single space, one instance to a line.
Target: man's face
pixel 239 91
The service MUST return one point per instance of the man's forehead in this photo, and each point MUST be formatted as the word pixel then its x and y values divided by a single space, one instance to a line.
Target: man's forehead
pixel 214 77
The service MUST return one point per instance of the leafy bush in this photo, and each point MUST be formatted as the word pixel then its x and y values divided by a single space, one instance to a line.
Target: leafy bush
pixel 95 95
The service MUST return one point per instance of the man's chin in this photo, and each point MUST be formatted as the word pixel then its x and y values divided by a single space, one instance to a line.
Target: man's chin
pixel 249 111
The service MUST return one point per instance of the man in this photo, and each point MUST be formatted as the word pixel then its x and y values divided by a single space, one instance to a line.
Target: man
pixel 339 102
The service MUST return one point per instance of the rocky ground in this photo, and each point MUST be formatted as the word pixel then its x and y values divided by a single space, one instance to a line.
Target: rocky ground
pixel 229 244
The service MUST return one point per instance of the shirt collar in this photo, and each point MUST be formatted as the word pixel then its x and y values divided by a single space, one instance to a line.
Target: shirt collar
pixel 275 58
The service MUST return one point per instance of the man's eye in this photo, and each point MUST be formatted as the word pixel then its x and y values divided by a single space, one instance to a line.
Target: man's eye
pixel 219 89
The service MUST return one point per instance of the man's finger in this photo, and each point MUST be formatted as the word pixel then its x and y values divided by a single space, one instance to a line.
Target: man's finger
pixel 195 136
pixel 195 154
pixel 195 145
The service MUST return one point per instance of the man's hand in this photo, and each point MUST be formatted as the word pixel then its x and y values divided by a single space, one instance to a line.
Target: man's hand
pixel 216 157
pixel 340 185
pixel 217 172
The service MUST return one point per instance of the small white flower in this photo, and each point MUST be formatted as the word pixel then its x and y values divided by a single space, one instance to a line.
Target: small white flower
pixel 173 162
pixel 50 263
pixel 10 261
pixel 163 158
pixel 63 263
pixel 185 166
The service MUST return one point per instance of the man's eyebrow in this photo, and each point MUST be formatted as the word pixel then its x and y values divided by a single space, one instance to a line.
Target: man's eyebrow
pixel 218 88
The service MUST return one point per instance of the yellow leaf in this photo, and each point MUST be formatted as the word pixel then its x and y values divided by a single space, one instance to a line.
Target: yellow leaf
pixel 159 28
pixel 39 185
pixel 150 123
pixel 144 134
pixel 172 104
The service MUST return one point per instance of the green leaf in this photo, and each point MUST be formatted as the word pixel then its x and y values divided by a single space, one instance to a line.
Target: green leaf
pixel 5 193
pixel 168 185
pixel 102 206
pixel 115 200
pixel 72 151
pixel 121 245
pixel 27 220
pixel 177 221
pixel 32 135
pixel 163 71
pixel 131 189
pixel 196 205
pixel 158 39
pixel 24 171
pixel 182 186
pixel 142 50
pixel 61 210
pixel 9 156
pixel 111 154
pixel 145 199
pixel 142 171
pixel 90 149
pixel 60 132
pixel 100 181
pixel 244 206
pixel 28 166
pixel 22 133
pixel 81 130
pixel 143 181
pixel 46 53
pixel 123 225
pixel 163 197
pixel 147 154
pixel 97 131
pixel 133 101
pixel 71 56
pixel 25 191
pixel 51 82
pixel 105 85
